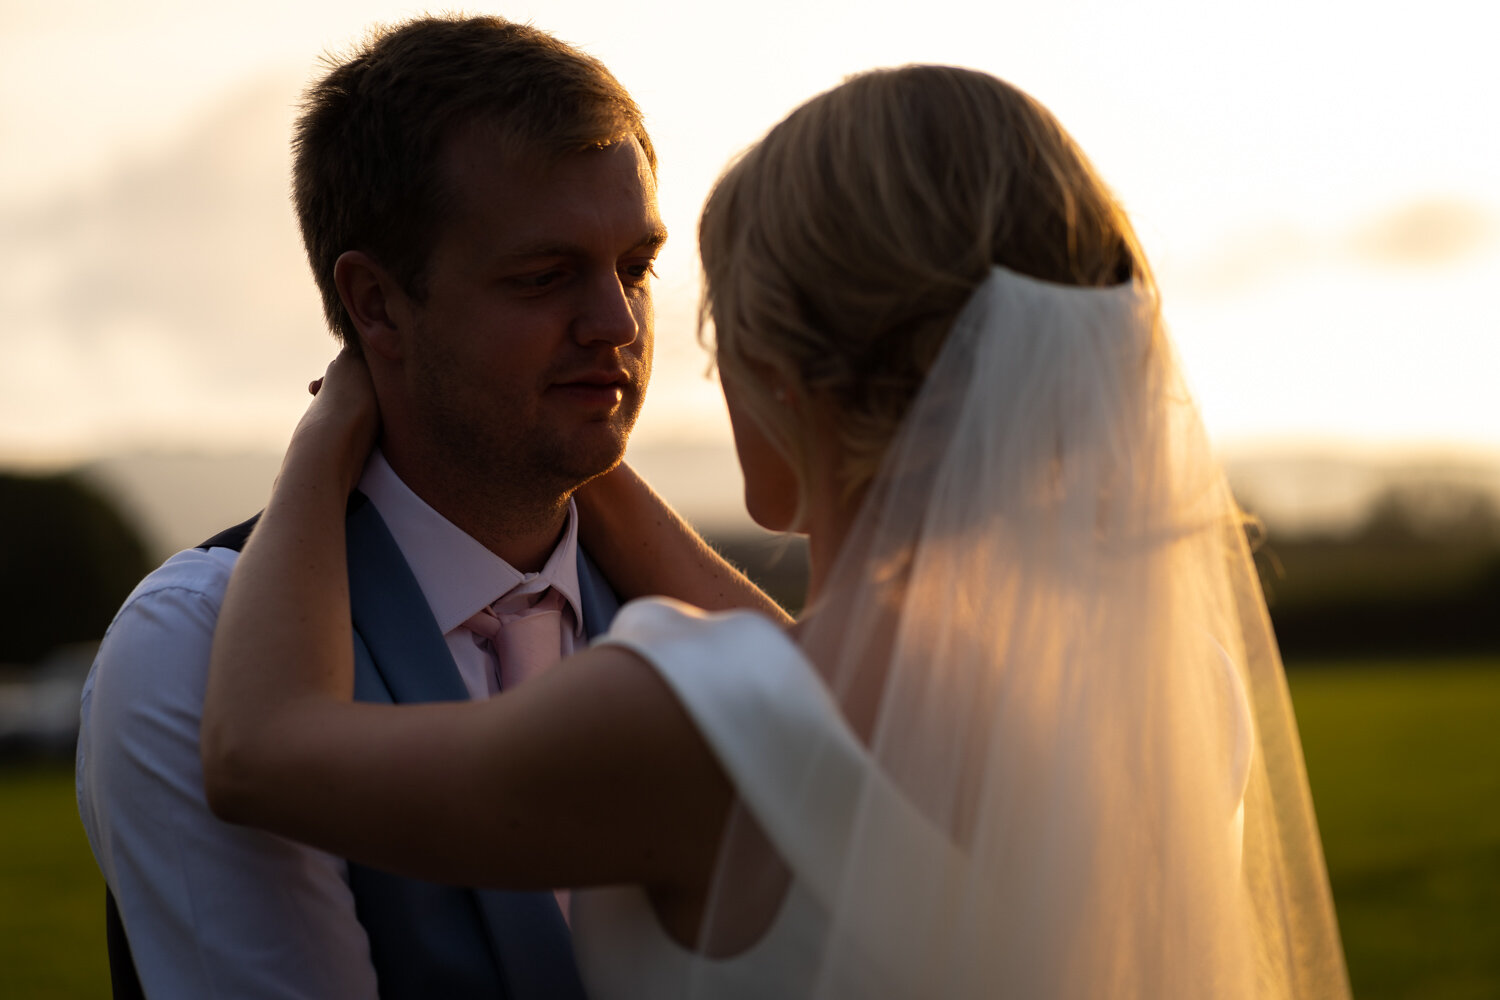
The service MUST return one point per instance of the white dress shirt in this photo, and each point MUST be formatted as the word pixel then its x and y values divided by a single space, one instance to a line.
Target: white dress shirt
pixel 211 909
pixel 458 576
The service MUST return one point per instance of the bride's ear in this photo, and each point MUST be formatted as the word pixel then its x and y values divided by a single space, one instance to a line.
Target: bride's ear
pixel 374 301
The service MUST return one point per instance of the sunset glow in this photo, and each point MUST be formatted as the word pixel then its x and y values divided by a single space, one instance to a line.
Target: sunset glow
pixel 1315 183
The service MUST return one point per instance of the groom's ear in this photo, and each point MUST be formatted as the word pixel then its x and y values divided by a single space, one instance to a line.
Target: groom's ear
pixel 375 302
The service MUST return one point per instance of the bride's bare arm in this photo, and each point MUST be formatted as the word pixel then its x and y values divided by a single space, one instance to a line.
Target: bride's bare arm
pixel 645 547
pixel 588 774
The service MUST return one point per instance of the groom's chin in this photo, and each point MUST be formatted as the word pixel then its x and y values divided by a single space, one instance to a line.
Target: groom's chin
pixel 592 451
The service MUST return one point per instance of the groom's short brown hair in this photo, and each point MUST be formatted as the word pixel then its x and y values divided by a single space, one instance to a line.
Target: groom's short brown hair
pixel 372 131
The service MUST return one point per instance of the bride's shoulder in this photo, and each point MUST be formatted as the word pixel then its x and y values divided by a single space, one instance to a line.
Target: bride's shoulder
pixel 739 662
pixel 666 620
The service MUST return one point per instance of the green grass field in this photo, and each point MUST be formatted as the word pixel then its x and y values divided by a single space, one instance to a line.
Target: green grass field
pixel 51 895
pixel 1402 759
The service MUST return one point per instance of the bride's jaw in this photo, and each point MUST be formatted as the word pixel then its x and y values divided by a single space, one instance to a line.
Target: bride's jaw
pixel 771 487
pixel 775 496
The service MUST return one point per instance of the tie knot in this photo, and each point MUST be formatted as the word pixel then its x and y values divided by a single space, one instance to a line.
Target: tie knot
pixel 517 602
pixel 484 624
pixel 487 621
pixel 523 630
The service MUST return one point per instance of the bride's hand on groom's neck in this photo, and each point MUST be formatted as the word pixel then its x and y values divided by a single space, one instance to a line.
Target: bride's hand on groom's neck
pixel 340 426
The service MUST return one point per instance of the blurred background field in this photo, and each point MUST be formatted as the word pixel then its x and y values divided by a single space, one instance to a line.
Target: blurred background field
pixel 1384 585
pixel 1401 757
pixel 1402 760
pixel 51 894
pixel 1389 618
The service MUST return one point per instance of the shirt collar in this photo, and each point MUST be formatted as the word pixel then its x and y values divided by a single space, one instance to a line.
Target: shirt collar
pixel 457 574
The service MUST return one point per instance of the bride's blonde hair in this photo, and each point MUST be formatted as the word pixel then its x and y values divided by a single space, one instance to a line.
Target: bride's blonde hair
pixel 839 250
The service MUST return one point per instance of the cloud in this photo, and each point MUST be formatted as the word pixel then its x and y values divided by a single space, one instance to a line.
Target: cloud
pixel 1249 260
pixel 1420 235
pixel 169 298
pixel 1427 233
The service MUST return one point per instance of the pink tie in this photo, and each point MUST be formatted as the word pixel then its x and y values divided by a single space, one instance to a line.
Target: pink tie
pixel 525 632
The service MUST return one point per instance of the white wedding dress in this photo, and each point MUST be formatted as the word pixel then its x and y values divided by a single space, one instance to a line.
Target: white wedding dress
pixel 781 739
pixel 783 742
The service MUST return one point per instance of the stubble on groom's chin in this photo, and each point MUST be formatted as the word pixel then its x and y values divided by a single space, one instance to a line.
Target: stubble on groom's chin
pixel 544 473
pixel 596 458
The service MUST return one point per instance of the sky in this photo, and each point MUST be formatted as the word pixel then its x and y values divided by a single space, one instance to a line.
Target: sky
pixel 1317 184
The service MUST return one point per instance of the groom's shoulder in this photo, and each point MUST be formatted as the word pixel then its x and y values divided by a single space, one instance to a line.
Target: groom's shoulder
pixel 181 596
pixel 200 572
pixel 174 603
pixel 146 683
pixel 145 686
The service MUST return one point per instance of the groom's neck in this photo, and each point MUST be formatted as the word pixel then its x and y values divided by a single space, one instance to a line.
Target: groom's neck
pixel 514 516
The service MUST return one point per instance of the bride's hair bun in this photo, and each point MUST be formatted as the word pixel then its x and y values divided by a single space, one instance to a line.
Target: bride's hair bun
pixel 839 250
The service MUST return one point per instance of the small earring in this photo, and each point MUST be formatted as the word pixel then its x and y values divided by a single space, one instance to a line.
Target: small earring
pixel 779 394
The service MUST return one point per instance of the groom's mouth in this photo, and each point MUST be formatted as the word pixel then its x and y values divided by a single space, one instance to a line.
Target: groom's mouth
pixel 603 389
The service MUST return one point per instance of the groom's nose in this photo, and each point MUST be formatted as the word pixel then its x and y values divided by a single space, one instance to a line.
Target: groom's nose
pixel 612 313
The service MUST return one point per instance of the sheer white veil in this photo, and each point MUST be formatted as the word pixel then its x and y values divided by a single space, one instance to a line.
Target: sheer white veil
pixel 1083 777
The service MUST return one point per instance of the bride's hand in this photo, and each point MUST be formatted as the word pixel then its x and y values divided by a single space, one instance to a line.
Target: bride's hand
pixel 340 426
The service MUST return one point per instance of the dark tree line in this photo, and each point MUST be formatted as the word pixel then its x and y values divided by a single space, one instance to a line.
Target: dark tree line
pixel 1419 575
pixel 68 559
pixel 1433 514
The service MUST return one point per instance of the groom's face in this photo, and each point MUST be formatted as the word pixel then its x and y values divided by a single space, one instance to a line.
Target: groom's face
pixel 532 348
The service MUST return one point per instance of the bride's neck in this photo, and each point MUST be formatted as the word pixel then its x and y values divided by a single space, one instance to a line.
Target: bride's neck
pixel 847 617
pixel 828 522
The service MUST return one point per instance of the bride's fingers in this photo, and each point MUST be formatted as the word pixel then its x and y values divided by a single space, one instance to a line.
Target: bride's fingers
pixel 346 374
pixel 346 393
pixel 347 360
pixel 343 420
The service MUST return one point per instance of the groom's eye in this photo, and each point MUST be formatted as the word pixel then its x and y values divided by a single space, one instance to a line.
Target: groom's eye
pixel 537 281
pixel 638 273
